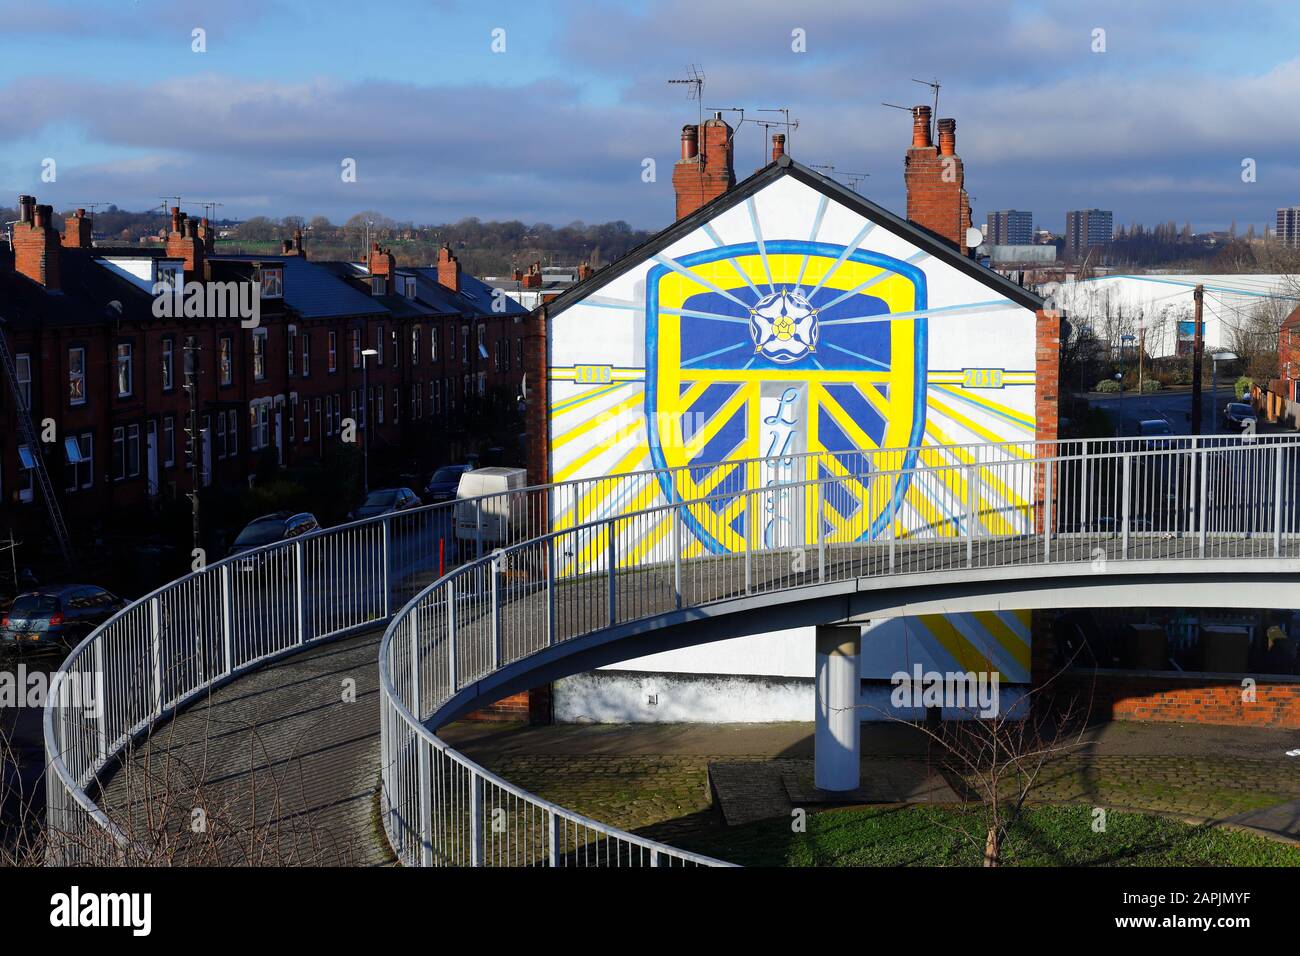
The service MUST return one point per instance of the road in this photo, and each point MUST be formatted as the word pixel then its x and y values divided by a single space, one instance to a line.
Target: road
pixel 1127 410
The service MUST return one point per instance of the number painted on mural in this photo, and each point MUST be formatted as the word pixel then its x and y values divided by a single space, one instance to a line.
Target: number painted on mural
pixel 593 374
pixel 981 377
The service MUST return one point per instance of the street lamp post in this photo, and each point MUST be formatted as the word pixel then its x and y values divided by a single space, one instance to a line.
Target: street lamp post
pixel 365 420
pixel 1215 359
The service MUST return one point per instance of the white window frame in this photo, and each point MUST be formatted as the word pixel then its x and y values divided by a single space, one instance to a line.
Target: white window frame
pixel 77 377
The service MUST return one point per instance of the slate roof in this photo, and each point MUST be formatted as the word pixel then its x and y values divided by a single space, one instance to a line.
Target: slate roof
pixel 474 299
pixel 314 291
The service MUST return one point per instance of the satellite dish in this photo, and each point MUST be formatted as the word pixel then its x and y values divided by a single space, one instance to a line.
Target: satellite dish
pixel 974 238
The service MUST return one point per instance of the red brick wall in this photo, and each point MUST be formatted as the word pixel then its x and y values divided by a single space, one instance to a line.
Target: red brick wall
pixel 1185 697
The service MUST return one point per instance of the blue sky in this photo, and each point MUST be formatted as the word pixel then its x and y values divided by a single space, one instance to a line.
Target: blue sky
pixel 556 127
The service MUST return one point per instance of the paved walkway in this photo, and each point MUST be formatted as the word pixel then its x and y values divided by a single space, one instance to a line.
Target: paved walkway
pixel 282 767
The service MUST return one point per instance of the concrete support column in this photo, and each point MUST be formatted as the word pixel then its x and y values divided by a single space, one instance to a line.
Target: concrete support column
pixel 837 742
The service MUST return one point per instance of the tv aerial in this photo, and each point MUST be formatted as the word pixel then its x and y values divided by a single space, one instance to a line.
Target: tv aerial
pixel 695 79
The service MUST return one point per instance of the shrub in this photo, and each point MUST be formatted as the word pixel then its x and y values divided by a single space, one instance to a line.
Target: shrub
pixel 1242 386
pixel 1107 385
pixel 1150 385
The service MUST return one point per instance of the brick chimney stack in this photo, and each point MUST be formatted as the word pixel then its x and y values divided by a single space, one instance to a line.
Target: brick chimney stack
pixel 207 235
pixel 936 180
pixel 381 262
pixel 778 146
pixel 183 243
pixel 585 271
pixel 448 269
pixel 76 231
pixel 705 170
pixel 36 243
pixel 298 250
pixel 533 277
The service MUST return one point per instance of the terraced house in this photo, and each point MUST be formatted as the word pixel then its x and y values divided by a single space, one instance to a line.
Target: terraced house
pixel 277 365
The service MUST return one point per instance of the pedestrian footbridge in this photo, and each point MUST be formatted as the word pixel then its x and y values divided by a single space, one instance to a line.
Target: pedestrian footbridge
pixel 484 597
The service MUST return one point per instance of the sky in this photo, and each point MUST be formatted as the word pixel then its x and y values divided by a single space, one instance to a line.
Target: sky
pixel 547 111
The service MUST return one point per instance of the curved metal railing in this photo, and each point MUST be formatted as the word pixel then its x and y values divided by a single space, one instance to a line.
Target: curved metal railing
pixel 180 641
pixel 787 526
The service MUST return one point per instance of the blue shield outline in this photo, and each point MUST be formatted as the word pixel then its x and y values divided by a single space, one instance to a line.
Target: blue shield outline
pixel 827 250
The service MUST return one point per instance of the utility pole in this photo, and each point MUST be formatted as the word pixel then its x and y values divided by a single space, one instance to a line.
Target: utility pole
pixel 1198 343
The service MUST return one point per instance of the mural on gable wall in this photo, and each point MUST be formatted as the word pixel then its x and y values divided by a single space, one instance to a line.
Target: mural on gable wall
pixel 790 325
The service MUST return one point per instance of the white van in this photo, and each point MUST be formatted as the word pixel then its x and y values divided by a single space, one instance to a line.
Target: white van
pixel 488 521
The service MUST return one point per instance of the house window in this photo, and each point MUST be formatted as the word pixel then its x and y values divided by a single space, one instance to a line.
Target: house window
pixel 119 453
pixel 27 463
pixel 433 344
pixel 168 369
pixel 293 418
pixel 332 358
pixel 352 404
pixel 259 355
pixel 76 376
pixel 482 341
pixel 451 342
pixel 272 282
pixel 24 368
pixel 397 404
pixel 379 404
pixel 378 285
pixel 190 361
pixel 482 384
pixel 168 275
pixel 225 360
pixel 328 424
pixel 415 345
pixel 125 370
pixel 132 450
pixel 232 434
pixel 80 452
pixel 356 348
pixel 338 413
pixel 519 351
pixel 397 348
pixel 415 402
pixel 292 348
pixel 464 345
pixel 306 419
pixel 259 423
pixel 435 398
pixel 221 436
pixel 379 344
pixel 306 355
pixel 169 441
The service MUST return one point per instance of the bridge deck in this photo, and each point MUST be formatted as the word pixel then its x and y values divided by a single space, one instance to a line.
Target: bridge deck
pixel 284 768
pixel 281 767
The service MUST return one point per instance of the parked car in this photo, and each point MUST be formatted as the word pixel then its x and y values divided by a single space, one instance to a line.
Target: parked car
pixel 385 501
pixel 1156 431
pixel 57 615
pixel 268 529
pixel 1238 417
pixel 442 486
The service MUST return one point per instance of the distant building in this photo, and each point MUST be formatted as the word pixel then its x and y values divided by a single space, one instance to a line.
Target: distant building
pixel 1086 228
pixel 1020 253
pixel 1009 227
pixel 1288 226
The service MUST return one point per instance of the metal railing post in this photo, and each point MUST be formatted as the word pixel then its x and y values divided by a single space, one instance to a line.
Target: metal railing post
pixel 611 559
pixel 1047 510
pixel 1124 507
pixel 496 614
pixel 891 511
pixel 155 646
pixel 1277 501
pixel 1085 490
pixel 552 839
pixel 227 621
pixel 299 592
pixel 1202 497
pixel 972 511
pixel 388 571
pixel 476 846
pixel 478 529
pixel 818 506
pixel 425 798
pixel 451 635
pixel 550 592
pixel 749 530
pixel 677 554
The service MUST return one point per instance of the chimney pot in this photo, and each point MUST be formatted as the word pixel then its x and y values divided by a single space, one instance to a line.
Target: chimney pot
pixel 921 127
pixel 947 137
pixel 26 208
pixel 778 146
pixel 690 142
